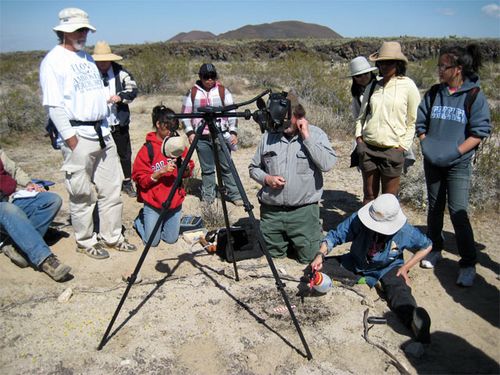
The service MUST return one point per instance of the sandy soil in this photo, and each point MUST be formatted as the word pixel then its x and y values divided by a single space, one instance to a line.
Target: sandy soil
pixel 189 315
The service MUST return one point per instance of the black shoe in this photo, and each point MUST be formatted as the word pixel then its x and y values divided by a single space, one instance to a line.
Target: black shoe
pixel 55 269
pixel 421 325
pixel 128 188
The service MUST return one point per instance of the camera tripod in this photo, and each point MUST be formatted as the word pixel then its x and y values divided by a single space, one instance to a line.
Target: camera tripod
pixel 210 115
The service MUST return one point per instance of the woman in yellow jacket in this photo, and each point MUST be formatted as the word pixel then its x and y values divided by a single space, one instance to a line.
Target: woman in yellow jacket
pixel 385 126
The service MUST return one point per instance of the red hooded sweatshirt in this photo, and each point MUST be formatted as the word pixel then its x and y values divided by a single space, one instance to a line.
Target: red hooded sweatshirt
pixel 151 192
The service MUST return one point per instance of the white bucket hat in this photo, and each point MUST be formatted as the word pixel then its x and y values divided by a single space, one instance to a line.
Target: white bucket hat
pixel 102 52
pixel 173 147
pixel 72 19
pixel 383 215
pixel 360 65
pixel 389 51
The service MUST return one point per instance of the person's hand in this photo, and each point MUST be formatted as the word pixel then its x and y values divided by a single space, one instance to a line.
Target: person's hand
pixel 359 140
pixel 234 139
pixel 317 263
pixel 114 99
pixel 275 182
pixel 34 187
pixel 303 128
pixel 169 168
pixel 191 138
pixel 72 142
pixel 403 272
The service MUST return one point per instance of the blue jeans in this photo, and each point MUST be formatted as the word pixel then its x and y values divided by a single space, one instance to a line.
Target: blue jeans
pixel 452 185
pixel 169 228
pixel 204 148
pixel 26 221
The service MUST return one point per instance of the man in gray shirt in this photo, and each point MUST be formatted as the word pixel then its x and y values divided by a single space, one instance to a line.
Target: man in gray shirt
pixel 289 166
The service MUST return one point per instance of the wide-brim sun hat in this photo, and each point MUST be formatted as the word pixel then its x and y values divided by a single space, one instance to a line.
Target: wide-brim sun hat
pixel 102 52
pixel 360 65
pixel 389 51
pixel 383 215
pixel 173 147
pixel 72 19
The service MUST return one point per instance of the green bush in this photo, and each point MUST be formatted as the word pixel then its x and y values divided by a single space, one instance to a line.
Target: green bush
pixel 21 110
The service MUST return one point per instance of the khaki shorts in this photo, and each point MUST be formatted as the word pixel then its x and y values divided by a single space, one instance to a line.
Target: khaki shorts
pixel 388 161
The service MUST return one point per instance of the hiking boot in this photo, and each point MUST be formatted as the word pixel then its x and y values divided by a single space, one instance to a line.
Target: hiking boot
pixel 55 269
pixel 128 188
pixel 466 276
pixel 421 325
pixel 123 245
pixel 97 251
pixel 14 256
pixel 431 259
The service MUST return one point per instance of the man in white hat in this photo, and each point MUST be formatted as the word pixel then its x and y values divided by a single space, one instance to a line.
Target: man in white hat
pixel 75 99
pixel 122 91
pixel 379 232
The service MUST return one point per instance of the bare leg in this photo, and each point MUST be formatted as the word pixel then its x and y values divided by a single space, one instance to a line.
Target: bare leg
pixel 371 185
pixel 390 185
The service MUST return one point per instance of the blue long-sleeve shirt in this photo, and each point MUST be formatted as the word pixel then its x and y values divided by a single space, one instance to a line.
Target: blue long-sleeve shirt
pixel 445 124
pixel 375 266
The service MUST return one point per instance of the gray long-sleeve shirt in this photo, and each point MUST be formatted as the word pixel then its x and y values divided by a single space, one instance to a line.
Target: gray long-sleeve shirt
pixel 300 162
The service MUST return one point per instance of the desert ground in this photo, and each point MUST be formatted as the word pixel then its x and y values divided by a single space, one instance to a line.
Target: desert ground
pixel 189 315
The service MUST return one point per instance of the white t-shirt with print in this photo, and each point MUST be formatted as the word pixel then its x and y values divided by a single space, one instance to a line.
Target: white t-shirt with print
pixel 71 80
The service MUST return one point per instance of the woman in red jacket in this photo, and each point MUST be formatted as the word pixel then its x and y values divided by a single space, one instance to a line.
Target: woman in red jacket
pixel 154 175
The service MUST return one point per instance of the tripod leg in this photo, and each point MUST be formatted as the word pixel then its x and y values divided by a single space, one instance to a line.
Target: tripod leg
pixel 222 189
pixel 262 244
pixel 163 213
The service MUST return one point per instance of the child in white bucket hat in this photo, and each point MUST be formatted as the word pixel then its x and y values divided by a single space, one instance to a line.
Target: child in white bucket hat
pixel 379 233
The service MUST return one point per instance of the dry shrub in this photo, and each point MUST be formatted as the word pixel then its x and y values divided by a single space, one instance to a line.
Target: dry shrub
pixel 212 215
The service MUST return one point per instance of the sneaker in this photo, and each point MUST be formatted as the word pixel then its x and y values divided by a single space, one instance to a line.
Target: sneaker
pixel 466 276
pixel 421 325
pixel 14 256
pixel 238 203
pixel 55 269
pixel 128 188
pixel 123 245
pixel 431 259
pixel 97 251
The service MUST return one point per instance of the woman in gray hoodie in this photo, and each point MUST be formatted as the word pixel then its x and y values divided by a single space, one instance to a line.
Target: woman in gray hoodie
pixel 452 119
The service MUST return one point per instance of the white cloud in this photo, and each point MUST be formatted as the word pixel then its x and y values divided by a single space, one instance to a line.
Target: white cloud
pixel 492 10
pixel 446 11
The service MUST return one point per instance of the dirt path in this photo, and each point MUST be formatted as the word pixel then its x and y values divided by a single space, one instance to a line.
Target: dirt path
pixel 189 315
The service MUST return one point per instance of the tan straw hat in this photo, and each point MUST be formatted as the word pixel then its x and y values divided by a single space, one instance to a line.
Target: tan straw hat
pixel 383 215
pixel 72 19
pixel 389 51
pixel 102 52
pixel 173 147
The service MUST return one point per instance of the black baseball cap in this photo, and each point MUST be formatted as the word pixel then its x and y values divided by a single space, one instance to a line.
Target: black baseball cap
pixel 208 70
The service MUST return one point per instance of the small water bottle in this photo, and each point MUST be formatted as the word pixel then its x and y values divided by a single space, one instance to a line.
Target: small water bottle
pixel 321 282
pixel 227 138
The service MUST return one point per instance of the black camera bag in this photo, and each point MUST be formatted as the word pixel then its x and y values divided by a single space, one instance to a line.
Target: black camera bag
pixel 245 244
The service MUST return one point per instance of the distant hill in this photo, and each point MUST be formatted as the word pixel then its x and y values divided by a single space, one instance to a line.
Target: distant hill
pixel 193 35
pixel 275 30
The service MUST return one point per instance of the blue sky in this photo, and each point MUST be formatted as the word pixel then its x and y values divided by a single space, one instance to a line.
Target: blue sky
pixel 27 25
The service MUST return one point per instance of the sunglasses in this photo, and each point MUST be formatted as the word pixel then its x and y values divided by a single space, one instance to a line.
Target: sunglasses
pixel 386 62
pixel 208 76
pixel 361 75
pixel 444 68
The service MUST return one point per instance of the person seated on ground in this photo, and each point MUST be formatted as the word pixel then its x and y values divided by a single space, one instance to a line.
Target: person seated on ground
pixel 379 233
pixel 289 165
pixel 25 220
pixel 154 172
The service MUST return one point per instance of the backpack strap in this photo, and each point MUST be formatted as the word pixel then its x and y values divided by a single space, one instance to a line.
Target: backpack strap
pixel 222 93
pixel 151 153
pixel 368 109
pixel 469 101
pixel 432 93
